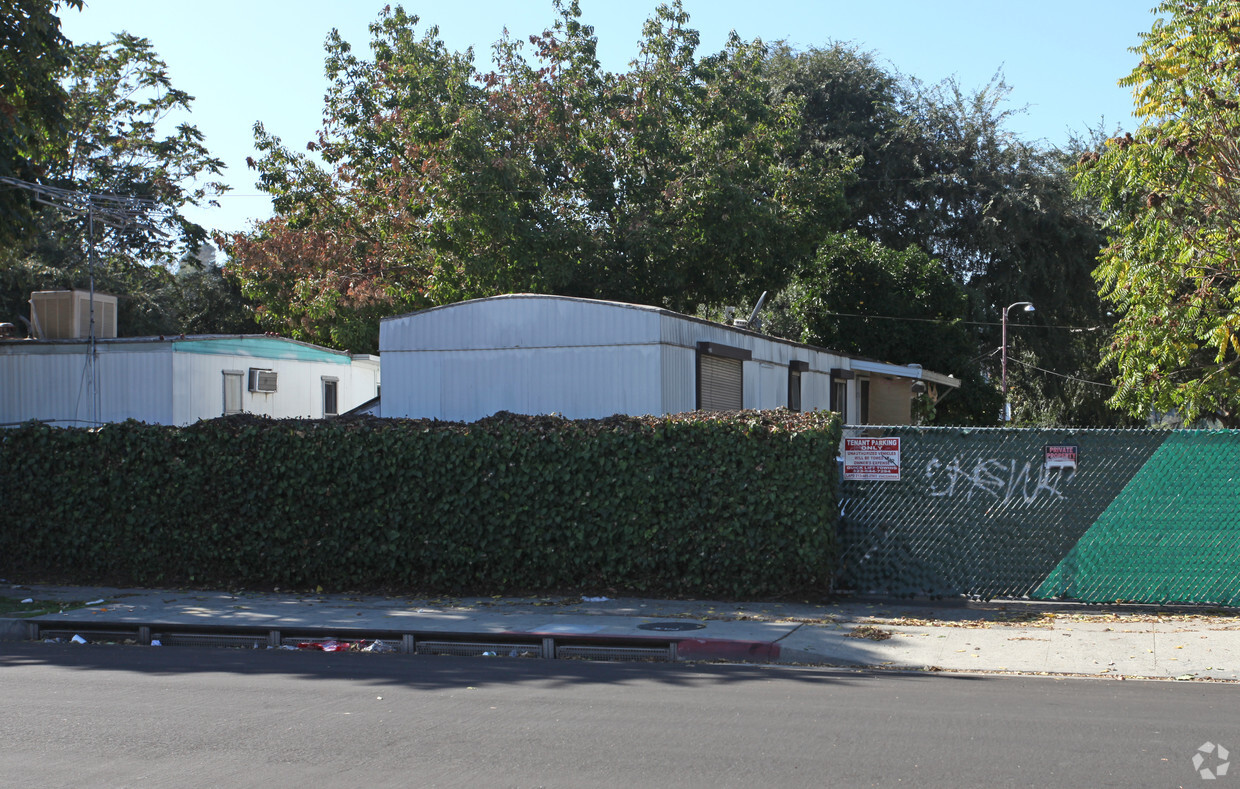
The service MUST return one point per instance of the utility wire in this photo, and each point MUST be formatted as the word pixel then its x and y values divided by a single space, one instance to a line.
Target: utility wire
pixel 1060 375
pixel 968 323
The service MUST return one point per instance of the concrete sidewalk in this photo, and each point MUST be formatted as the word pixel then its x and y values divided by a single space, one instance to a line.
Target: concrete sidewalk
pixel 1016 637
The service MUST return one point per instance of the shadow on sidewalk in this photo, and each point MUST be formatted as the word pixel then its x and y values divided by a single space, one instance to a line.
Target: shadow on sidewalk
pixel 421 671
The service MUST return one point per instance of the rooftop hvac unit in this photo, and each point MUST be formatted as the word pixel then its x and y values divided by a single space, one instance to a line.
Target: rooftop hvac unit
pixel 262 380
pixel 65 314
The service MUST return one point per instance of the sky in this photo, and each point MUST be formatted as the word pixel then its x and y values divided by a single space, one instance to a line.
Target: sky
pixel 262 60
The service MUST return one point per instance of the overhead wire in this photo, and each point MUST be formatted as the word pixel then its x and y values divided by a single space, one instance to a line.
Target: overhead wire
pixel 1061 375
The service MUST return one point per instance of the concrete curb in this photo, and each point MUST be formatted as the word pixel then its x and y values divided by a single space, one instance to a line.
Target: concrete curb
pixel 14 629
pixel 723 649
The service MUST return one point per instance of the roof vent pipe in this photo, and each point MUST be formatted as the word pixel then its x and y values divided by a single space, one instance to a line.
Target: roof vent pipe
pixel 754 321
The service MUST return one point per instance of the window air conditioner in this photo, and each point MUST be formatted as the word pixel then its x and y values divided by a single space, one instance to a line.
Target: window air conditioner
pixel 262 380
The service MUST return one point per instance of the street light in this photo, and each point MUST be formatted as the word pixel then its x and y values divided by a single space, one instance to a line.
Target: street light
pixel 1007 407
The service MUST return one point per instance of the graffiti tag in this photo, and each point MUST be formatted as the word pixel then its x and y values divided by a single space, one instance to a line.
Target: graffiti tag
pixel 1002 480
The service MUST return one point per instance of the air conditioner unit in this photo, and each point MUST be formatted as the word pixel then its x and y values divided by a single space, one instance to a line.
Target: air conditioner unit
pixel 65 314
pixel 262 380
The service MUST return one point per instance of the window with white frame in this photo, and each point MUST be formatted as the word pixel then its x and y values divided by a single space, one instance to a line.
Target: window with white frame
pixel 233 380
pixel 330 407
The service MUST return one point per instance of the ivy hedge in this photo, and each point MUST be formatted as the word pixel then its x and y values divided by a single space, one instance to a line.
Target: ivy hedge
pixel 739 504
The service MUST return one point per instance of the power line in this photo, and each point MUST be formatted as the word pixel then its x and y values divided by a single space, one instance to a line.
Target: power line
pixel 968 323
pixel 119 211
pixel 1061 375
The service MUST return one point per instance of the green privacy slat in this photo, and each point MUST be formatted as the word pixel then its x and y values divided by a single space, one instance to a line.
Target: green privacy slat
pixel 976 513
pixel 1172 535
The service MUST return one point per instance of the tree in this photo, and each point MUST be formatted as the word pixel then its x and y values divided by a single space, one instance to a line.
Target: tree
pixel 940 170
pixel 833 300
pixel 120 106
pixel 670 184
pixel 1172 263
pixel 33 55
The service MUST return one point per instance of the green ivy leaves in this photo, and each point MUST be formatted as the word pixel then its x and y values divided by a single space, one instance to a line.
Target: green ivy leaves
pixel 738 504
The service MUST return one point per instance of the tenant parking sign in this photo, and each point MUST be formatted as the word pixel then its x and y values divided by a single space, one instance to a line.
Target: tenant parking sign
pixel 872 459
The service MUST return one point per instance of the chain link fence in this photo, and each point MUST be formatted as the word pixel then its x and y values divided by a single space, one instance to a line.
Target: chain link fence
pixel 1149 516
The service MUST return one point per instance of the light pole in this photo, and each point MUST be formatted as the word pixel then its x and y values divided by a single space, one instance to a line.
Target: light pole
pixel 1007 407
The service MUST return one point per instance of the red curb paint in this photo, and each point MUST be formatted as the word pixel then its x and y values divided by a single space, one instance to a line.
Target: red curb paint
pixel 717 649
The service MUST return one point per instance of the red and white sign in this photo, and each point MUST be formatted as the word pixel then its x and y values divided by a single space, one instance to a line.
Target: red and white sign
pixel 872 459
pixel 1061 456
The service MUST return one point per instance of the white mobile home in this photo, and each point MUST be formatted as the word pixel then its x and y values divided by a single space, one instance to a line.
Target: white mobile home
pixel 178 380
pixel 589 359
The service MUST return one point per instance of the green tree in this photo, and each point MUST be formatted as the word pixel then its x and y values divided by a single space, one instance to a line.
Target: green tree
pixel 123 135
pixel 671 184
pixel 1169 192
pixel 939 169
pixel 832 301
pixel 33 56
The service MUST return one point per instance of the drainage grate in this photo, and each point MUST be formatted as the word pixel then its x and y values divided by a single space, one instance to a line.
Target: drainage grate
pixel 476 648
pixel 93 636
pixel 289 641
pixel 614 653
pixel 210 640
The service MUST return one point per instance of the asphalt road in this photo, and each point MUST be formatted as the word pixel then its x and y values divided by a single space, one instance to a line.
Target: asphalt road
pixel 111 716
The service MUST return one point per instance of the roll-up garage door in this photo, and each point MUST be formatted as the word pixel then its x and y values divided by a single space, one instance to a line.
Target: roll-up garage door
pixel 721 383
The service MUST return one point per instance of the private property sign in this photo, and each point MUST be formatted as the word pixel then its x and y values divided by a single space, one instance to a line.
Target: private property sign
pixel 1063 456
pixel 872 459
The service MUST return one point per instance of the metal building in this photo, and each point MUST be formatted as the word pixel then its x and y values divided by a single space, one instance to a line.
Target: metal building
pixel 582 358
pixel 178 380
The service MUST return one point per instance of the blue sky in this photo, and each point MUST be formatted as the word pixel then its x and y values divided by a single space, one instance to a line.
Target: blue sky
pixel 263 59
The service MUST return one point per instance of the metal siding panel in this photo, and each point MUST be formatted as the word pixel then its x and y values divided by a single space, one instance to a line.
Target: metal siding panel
pixel 42 387
pixel 50 383
pixel 359 384
pixel 151 383
pixel 520 322
pixel 774 391
pixel 815 391
pixel 679 384
pixel 199 390
pixel 578 383
pixel 134 383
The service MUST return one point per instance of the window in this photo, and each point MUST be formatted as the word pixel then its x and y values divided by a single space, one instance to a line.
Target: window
pixel 232 392
pixel 795 368
pixel 839 391
pixel 720 379
pixel 864 397
pixel 839 398
pixel 329 397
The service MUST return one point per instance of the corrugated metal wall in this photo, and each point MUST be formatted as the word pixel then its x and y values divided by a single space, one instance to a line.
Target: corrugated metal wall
pixel 199 392
pixel 519 322
pixel 578 383
pixel 679 379
pixel 580 358
pixel 153 382
pixel 55 384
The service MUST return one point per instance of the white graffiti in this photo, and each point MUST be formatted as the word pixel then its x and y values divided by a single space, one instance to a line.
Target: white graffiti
pixel 1002 480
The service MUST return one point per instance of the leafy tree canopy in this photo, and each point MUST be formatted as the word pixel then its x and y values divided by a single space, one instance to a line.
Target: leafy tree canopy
pixel 1169 190
pixel 33 56
pixel 831 303
pixel 674 183
pixel 122 134
pixel 940 170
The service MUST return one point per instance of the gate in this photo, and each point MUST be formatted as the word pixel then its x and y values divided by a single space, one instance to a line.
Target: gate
pixel 1149 516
